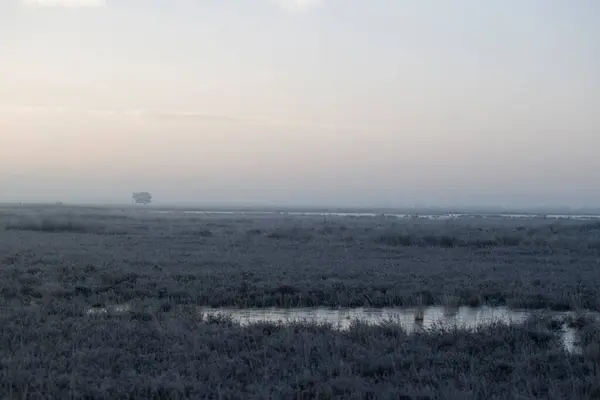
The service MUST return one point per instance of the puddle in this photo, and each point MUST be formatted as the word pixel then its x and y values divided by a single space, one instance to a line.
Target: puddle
pixel 413 320
pixel 569 340
pixel 116 309
pixel 429 317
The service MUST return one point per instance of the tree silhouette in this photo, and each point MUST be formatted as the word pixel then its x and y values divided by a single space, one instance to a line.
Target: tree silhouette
pixel 144 198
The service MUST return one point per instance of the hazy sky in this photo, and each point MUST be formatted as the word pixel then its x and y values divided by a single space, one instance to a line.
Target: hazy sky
pixel 335 102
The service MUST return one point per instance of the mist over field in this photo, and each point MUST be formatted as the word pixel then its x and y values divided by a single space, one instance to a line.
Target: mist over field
pixel 300 103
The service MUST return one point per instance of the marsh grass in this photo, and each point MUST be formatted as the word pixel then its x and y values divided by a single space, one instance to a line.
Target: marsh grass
pixel 57 262
pixel 53 225
pixel 57 353
pixel 267 261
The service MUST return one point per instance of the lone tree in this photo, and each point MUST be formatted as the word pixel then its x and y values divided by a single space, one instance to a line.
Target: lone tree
pixel 144 198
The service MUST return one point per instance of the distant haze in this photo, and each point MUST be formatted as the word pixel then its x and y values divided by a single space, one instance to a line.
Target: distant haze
pixel 291 102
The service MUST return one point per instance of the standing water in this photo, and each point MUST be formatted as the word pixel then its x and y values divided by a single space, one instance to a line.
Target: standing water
pixel 410 319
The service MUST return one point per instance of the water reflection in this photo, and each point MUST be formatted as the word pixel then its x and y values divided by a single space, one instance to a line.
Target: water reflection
pixel 448 216
pixel 418 319
pixel 411 319
pixel 569 340
pixel 101 310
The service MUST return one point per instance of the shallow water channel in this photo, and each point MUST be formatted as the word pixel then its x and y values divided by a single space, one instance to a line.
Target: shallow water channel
pixel 413 320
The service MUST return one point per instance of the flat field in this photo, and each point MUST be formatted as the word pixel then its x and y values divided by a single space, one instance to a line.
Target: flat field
pixel 57 262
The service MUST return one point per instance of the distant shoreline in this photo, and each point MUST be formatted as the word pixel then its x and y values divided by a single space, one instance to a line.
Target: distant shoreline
pixel 434 211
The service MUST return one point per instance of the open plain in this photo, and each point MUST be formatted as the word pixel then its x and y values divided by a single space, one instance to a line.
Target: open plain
pixel 58 263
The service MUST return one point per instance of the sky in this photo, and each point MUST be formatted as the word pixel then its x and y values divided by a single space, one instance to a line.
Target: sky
pixel 301 102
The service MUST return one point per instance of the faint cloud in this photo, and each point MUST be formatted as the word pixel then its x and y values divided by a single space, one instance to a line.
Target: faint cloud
pixel 182 115
pixel 64 3
pixel 297 5
pixel 164 115
pixel 175 116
